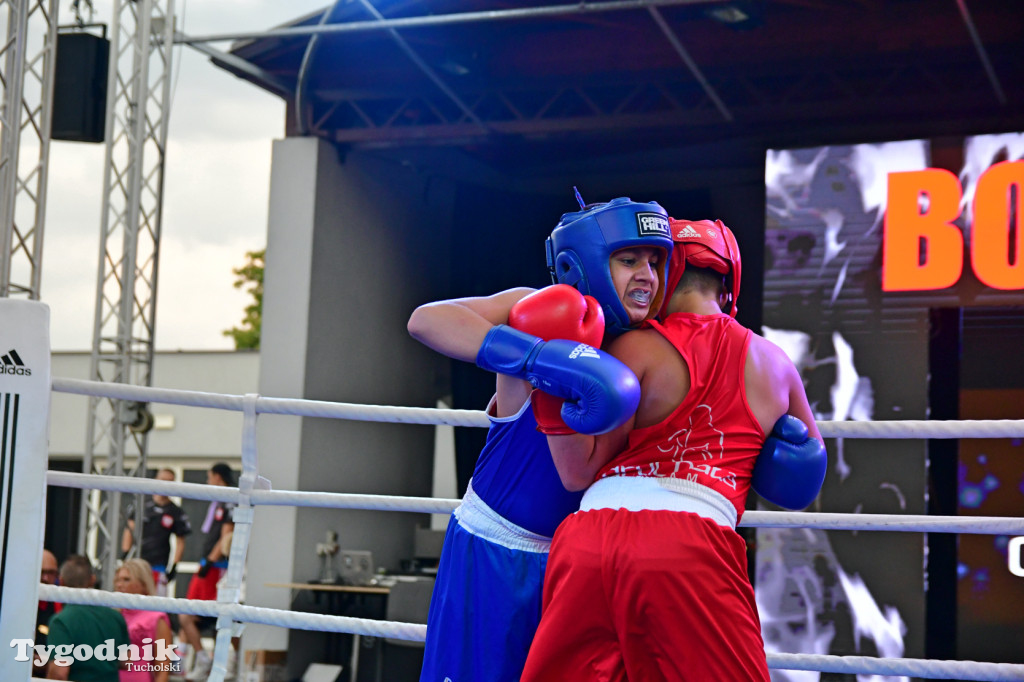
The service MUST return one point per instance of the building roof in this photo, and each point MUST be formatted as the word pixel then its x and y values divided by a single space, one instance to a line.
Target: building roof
pixel 796 73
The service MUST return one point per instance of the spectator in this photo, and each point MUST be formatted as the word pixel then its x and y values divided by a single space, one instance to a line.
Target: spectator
pixel 47 609
pixel 82 624
pixel 216 528
pixel 136 577
pixel 161 518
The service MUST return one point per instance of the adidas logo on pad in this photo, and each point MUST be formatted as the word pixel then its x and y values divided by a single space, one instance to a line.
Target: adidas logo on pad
pixel 687 231
pixel 583 350
pixel 10 363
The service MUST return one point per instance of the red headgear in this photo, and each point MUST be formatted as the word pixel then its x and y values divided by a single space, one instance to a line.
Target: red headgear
pixel 703 244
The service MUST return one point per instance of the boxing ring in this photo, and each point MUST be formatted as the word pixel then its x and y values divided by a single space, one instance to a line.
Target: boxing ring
pixel 253 491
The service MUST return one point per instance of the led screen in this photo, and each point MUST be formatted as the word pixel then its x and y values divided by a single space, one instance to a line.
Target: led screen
pixel 862 346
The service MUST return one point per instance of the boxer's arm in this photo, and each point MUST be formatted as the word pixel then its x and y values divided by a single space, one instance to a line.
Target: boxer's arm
pixel 791 466
pixel 799 406
pixel 578 457
pixel 457 327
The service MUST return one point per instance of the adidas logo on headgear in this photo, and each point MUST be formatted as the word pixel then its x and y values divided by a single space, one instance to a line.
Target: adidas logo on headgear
pixel 10 363
pixel 687 231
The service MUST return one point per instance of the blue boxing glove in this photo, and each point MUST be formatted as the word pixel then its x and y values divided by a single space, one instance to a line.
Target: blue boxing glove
pixel 791 465
pixel 600 392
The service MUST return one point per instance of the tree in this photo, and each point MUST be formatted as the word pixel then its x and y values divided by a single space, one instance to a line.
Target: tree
pixel 250 275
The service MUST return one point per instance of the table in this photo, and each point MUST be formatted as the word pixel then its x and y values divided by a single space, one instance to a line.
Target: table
pixel 379 590
pixel 320 587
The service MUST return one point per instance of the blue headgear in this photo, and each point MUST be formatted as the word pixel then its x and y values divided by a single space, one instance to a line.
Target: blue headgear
pixel 582 243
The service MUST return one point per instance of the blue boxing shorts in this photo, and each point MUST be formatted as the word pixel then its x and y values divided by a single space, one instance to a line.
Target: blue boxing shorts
pixel 486 602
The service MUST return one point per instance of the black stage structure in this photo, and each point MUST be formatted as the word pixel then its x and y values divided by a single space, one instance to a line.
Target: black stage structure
pixel 677 101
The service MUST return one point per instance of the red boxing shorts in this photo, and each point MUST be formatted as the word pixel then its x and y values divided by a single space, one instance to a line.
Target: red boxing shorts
pixel 646 595
pixel 160 581
pixel 205 588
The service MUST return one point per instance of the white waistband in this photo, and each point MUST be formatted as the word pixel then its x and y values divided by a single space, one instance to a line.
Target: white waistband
pixel 637 493
pixel 477 518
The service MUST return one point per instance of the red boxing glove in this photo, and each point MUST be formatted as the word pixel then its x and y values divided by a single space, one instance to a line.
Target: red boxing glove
pixel 557 312
pixel 547 410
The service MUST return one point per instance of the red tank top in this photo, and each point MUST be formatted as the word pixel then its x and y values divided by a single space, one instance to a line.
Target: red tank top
pixel 712 438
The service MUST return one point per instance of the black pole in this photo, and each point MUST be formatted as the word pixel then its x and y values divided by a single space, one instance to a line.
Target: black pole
pixel 943 456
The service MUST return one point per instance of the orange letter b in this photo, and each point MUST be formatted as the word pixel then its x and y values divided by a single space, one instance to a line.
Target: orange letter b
pixel 907 228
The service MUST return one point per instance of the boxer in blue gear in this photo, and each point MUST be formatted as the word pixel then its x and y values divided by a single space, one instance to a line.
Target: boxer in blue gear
pixel 494 557
pixel 486 602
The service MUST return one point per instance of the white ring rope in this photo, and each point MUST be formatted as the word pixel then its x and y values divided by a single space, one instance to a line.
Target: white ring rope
pixel 933 669
pixel 254 490
pixel 239 612
pixel 907 667
pixel 286 406
pixel 978 428
pixel 278 498
pixel 925 428
pixel 978 525
pixel 910 523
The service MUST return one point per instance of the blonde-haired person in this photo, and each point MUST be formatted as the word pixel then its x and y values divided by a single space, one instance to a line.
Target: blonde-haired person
pixel 135 576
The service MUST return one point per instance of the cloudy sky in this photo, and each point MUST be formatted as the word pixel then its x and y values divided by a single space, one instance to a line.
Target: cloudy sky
pixel 215 197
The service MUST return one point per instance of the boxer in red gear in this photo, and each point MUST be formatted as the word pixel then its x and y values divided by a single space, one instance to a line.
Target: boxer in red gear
pixel 648 581
pixel 487 598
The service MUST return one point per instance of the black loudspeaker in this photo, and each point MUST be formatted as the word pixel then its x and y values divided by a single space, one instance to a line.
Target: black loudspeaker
pixel 80 87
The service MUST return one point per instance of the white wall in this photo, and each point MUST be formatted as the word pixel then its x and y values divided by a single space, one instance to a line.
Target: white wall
pixel 354 244
pixel 196 433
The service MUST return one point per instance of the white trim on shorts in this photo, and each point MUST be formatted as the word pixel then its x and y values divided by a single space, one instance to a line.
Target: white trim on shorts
pixel 638 493
pixel 477 518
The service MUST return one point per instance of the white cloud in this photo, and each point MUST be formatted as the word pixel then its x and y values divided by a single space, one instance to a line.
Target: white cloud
pixel 197 299
pixel 218 191
pixel 215 194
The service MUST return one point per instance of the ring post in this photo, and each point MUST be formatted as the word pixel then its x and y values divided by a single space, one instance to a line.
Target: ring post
pixel 24 424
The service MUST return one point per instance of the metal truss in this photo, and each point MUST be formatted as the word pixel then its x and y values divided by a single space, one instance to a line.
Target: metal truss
pixel 381 24
pixel 138 102
pixel 449 114
pixel 819 93
pixel 29 28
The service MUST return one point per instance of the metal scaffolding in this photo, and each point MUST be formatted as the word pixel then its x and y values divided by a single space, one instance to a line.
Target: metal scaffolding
pixel 137 115
pixel 27 55
pixel 138 102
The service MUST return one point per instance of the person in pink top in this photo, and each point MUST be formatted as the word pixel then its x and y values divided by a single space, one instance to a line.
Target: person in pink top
pixel 648 581
pixel 136 577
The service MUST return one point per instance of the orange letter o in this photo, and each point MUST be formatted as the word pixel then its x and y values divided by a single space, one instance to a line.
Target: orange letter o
pixel 990 236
